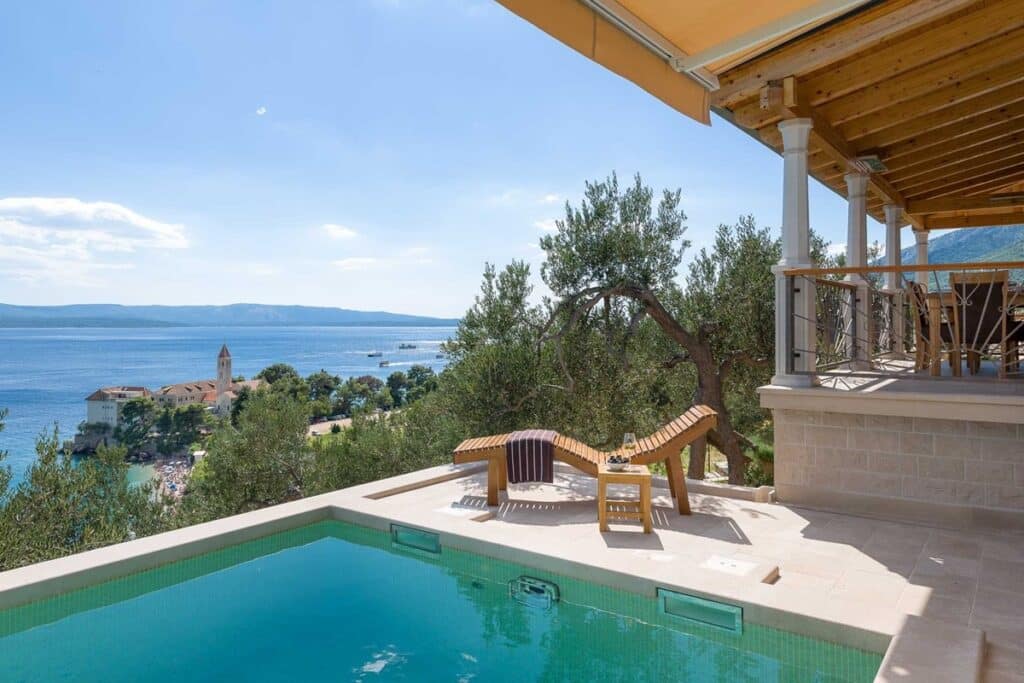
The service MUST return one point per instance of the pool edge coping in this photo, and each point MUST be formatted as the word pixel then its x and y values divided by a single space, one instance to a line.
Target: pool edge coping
pixel 902 639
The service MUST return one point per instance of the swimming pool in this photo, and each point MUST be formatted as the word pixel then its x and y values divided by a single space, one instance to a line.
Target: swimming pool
pixel 335 601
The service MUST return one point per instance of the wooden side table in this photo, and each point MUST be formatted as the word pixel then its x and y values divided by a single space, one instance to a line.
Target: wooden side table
pixel 639 476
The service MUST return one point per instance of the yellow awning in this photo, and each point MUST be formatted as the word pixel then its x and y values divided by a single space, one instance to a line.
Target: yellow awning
pixel 640 39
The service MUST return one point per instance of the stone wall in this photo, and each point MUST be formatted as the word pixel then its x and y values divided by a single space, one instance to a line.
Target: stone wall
pixel 822 457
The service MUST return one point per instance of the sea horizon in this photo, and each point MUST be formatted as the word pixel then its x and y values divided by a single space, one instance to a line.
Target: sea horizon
pixel 46 372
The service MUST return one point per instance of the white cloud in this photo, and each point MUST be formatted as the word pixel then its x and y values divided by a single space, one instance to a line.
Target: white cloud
pixel 70 240
pixel 410 256
pixel 261 110
pixel 836 249
pixel 339 232
pixel 419 255
pixel 547 225
pixel 551 198
pixel 357 263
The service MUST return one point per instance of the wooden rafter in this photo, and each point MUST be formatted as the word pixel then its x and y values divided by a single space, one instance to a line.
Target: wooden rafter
pixel 938 100
pixel 973 220
pixel 954 204
pixel 831 44
pixel 982 142
pixel 937 107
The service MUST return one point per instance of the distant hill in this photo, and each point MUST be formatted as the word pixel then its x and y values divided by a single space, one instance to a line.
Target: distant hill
pixel 973 244
pixel 234 315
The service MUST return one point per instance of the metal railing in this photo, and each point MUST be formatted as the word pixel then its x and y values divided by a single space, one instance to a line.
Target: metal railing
pixel 938 320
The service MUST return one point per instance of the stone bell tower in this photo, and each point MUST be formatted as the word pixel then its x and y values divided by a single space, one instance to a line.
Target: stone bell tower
pixel 223 372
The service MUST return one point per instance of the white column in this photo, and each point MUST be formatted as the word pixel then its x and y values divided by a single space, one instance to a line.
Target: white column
pixel 795 254
pixel 858 344
pixel 894 280
pixel 921 236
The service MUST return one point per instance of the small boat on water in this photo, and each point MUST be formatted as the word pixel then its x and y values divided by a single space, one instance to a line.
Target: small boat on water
pixel 375 354
pixel 384 363
pixel 406 345
pixel 440 355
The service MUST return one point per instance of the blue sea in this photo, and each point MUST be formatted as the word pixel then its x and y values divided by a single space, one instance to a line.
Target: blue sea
pixel 45 374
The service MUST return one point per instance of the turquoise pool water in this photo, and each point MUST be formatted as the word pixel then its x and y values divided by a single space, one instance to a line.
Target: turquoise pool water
pixel 336 602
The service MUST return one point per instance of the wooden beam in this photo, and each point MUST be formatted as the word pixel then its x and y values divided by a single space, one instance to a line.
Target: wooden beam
pixel 925 111
pixel 965 174
pixel 937 128
pixel 831 44
pixel 975 182
pixel 998 185
pixel 981 142
pixel 953 204
pixel 980 220
pixel 952 71
pixel 978 24
pixel 957 160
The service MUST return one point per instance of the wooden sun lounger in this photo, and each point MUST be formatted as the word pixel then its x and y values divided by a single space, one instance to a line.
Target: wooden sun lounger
pixel 662 446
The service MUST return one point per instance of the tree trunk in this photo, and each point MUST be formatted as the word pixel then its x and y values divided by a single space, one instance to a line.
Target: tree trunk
pixel 698 454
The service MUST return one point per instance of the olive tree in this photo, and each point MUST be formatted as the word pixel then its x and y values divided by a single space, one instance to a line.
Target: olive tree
pixel 619 255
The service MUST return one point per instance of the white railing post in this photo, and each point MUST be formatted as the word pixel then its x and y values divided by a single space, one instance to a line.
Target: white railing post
pixel 858 344
pixel 800 307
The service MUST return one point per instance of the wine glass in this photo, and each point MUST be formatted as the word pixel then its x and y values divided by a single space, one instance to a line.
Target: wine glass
pixel 628 444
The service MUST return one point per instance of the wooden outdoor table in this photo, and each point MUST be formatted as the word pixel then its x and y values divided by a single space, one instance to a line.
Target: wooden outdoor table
pixel 637 475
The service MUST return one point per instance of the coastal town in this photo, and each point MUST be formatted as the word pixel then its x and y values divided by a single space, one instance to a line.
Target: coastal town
pixel 105 411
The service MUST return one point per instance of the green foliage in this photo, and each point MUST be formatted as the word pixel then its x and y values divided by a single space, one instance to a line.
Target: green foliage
pixel 615 236
pixel 179 428
pixel 138 417
pixel 278 371
pixel 419 436
pixel 261 461
pixel 63 507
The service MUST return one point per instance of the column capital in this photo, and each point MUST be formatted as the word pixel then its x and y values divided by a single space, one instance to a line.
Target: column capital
pixel 794 134
pixel 921 236
pixel 893 213
pixel 856 183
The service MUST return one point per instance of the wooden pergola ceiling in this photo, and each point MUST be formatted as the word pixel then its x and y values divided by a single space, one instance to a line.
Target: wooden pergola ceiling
pixel 933 88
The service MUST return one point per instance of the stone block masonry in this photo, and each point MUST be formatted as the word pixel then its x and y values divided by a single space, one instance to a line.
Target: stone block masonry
pixel 822 456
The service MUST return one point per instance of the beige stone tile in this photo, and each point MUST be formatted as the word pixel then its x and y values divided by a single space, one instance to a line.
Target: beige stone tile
pixel 889 422
pixel 940 468
pixel 872 483
pixel 939 426
pixel 1003 661
pixel 913 443
pixel 944 544
pixel 790 433
pixel 841 420
pixel 954 576
pixel 840 458
pixel 893 463
pixel 1000 613
pixel 1005 496
pixel 832 437
pixel 992 430
pixel 789 577
pixel 927 650
pixel 856 584
pixel 1003 450
pixel 988 472
pixel 1008 548
pixel 1005 575
pixel 923 602
pixel 902 539
pixel 874 441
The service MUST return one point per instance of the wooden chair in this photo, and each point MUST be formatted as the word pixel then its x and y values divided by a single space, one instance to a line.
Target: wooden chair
pixel 917 295
pixel 665 445
pixel 982 317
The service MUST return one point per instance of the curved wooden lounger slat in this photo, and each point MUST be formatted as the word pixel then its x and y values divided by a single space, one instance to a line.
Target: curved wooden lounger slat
pixel 662 446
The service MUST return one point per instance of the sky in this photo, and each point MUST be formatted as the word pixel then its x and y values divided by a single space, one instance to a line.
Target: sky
pixel 366 154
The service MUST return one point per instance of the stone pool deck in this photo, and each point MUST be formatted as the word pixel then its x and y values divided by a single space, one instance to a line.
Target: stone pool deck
pixel 943 604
